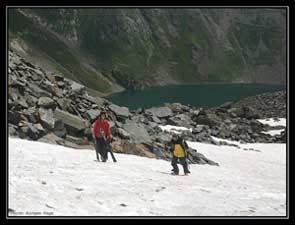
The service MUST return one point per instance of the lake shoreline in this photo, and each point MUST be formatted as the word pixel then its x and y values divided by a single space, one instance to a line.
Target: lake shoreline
pixel 212 94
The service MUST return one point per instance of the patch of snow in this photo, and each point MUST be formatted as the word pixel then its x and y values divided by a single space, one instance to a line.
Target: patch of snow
pixel 218 140
pixel 59 181
pixel 174 129
pixel 271 122
pixel 273 132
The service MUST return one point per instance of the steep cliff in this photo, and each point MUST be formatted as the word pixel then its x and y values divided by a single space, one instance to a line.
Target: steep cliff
pixel 107 49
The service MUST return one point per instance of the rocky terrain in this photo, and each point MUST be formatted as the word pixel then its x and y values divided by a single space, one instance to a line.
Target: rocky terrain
pixel 133 48
pixel 47 107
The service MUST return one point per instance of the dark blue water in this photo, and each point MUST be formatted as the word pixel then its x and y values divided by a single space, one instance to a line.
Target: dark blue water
pixel 205 95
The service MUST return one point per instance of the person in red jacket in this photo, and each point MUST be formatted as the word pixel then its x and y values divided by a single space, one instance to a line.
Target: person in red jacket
pixel 102 134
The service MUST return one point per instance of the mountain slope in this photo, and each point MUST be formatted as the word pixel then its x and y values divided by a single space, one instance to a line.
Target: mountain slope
pixel 136 48
pixel 51 180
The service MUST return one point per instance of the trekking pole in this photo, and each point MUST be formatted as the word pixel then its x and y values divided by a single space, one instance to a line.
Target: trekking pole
pixel 111 151
pixel 109 147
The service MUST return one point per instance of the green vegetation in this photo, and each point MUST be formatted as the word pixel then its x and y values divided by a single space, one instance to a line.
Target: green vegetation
pixel 139 44
pixel 57 51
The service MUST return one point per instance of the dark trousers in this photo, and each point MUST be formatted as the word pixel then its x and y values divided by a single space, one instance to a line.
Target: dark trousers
pixel 101 148
pixel 182 161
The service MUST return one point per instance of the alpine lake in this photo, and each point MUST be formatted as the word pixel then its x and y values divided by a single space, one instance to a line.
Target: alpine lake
pixel 203 95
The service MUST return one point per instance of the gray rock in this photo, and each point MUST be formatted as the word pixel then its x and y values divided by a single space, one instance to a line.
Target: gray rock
pixel 60 84
pixel 209 119
pixel 76 140
pixel 51 138
pixel 59 125
pixel 31 114
pixel 48 86
pixel 73 123
pixel 226 105
pixel 34 90
pixel 152 125
pixel 47 118
pixel 232 126
pixel 46 102
pixel 227 121
pixel 198 158
pixel 88 133
pixel 92 114
pixel 112 124
pixel 156 119
pixel 57 92
pixel 64 103
pixel 58 78
pixel 12 131
pixel 175 107
pixel 163 138
pixel 22 102
pixel 61 133
pixel 160 112
pixel 122 112
pixel 33 132
pixel 118 124
pixel 14 117
pixel 77 88
pixel 138 132
pixel 94 100
pixel 40 128
pixel 198 129
pixel 23 131
pixel 123 134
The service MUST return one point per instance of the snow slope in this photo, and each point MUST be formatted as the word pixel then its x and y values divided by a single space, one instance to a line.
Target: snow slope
pixel 50 180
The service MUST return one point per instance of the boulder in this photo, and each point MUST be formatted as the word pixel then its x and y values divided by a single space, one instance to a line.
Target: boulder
pixel 226 105
pixel 122 112
pixel 33 132
pixel 160 112
pixel 198 158
pixel 88 133
pixel 138 132
pixel 50 138
pixel 47 118
pixel 73 123
pixel 14 117
pixel 58 78
pixel 22 102
pixel 123 134
pixel 64 103
pixel 34 90
pixel 48 86
pixel 46 102
pixel 12 130
pixel 92 114
pixel 97 101
pixel 77 88
pixel 175 107
pixel 76 140
pixel 124 146
pixel 163 138
pixel 159 150
pixel 209 119
pixel 250 113
pixel 59 129
pixel 156 119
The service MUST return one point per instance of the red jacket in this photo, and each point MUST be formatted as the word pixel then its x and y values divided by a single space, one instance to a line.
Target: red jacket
pixel 106 128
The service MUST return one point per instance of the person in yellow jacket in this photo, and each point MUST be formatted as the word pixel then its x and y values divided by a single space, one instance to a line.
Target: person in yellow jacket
pixel 179 149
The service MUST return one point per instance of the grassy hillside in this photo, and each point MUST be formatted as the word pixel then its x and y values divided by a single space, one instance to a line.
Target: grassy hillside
pixel 138 47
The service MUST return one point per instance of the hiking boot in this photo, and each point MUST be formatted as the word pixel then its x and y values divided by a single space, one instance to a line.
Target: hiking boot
pixel 174 173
